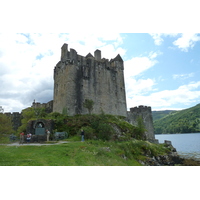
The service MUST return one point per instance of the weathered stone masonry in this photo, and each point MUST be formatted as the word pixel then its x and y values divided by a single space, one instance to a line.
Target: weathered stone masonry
pixel 77 78
pixel 47 106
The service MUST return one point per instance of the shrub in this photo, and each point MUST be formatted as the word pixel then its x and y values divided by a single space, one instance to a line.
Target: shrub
pixel 89 132
pixel 5 125
pixel 105 131
pixel 89 105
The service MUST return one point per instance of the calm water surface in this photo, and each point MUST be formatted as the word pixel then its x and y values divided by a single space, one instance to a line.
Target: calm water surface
pixel 187 144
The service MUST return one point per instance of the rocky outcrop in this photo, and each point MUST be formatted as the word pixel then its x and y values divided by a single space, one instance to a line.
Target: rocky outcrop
pixel 170 159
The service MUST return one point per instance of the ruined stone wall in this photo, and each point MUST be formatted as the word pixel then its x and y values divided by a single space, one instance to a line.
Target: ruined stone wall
pixel 47 106
pixel 77 78
pixel 145 113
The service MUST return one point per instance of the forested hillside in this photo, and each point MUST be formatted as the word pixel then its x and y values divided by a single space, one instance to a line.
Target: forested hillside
pixel 162 113
pixel 184 121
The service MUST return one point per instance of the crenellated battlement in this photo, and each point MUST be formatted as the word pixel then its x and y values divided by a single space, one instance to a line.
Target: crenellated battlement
pixel 140 109
pixel 12 114
pixel 72 58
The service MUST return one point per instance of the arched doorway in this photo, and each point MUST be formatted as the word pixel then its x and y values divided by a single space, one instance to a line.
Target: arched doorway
pixel 39 128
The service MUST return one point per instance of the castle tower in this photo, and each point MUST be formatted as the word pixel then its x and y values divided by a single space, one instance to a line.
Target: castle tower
pixel 64 51
pixel 145 113
pixel 97 54
pixel 77 78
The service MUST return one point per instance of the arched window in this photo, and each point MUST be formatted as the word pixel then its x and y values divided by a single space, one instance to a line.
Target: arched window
pixel 40 125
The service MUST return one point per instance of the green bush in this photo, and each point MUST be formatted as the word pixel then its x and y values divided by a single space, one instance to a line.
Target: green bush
pixel 5 125
pixel 89 132
pixel 104 132
pixel 103 127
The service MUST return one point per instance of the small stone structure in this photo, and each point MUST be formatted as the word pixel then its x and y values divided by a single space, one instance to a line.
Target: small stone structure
pixel 38 129
pixel 145 113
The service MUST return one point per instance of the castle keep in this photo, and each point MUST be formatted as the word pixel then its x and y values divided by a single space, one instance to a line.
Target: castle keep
pixel 77 78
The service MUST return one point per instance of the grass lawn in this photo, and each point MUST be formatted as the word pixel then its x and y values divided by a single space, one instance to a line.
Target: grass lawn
pixel 91 153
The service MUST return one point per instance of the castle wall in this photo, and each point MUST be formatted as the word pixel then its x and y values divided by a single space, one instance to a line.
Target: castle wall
pixel 77 78
pixel 47 106
pixel 145 113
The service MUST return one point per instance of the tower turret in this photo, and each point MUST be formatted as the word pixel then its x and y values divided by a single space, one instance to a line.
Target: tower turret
pixel 64 51
pixel 97 54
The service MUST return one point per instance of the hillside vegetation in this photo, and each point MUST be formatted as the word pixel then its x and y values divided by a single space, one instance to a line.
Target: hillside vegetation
pixel 5 127
pixel 103 127
pixel 162 113
pixel 184 121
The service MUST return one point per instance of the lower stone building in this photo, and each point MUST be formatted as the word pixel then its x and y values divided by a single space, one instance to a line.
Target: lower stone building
pixel 38 129
pixel 145 113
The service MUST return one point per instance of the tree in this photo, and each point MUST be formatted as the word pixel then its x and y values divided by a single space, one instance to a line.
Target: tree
pixel 31 114
pixel 5 125
pixel 140 129
pixel 89 105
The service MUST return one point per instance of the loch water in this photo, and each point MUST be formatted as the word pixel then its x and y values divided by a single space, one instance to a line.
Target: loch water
pixel 187 144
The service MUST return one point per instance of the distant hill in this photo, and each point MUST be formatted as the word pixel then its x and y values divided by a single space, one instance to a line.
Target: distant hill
pixel 160 114
pixel 184 121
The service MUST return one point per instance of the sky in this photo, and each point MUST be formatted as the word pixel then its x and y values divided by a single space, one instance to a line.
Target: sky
pixel 160 70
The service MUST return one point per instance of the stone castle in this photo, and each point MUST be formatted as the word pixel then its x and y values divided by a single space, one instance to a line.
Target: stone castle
pixel 77 78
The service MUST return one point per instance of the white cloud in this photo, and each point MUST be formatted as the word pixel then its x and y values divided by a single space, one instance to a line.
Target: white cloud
pixel 186 41
pixel 185 95
pixel 158 37
pixel 137 65
pixel 138 87
pixel 27 62
pixel 183 76
pixel 85 43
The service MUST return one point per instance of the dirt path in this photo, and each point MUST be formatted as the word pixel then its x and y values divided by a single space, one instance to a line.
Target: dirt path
pixel 34 144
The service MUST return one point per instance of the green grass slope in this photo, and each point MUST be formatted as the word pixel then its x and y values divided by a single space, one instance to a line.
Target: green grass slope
pixel 88 153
